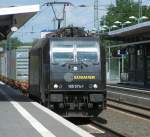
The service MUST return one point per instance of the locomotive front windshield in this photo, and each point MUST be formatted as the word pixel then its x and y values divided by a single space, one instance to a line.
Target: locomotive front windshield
pixel 79 51
pixel 62 57
pixel 87 56
pixel 87 51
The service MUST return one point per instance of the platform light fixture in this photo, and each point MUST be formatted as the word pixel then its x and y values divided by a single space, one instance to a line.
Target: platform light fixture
pixel 138 19
pixel 127 22
pixel 122 24
pixel 104 27
pixel 133 17
pixel 144 17
pixel 114 26
pixel 14 28
pixel 117 22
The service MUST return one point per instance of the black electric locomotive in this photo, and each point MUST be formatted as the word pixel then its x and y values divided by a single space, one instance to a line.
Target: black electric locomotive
pixel 67 73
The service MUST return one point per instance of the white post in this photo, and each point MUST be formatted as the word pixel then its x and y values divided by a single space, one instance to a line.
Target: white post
pixel 109 63
pixel 119 68
pixel 122 64
pixel 65 19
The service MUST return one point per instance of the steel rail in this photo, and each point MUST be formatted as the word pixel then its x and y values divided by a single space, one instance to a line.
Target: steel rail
pixel 106 129
pixel 125 95
pixel 127 110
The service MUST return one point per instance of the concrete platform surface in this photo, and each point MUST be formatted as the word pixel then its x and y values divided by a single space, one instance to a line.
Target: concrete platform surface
pixel 21 117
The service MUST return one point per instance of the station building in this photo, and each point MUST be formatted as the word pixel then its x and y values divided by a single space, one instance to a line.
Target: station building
pixel 12 61
pixel 136 40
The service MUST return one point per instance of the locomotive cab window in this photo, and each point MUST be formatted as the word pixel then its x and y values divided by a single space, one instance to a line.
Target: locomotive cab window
pixel 75 51
pixel 62 52
pixel 87 51
pixel 87 56
pixel 62 57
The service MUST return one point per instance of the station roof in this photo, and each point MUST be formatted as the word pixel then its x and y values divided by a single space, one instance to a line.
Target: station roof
pixel 131 30
pixel 15 16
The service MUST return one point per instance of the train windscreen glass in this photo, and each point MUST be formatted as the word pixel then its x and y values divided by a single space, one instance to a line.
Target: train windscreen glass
pixel 75 51
pixel 87 51
pixel 62 52
pixel 62 57
pixel 87 56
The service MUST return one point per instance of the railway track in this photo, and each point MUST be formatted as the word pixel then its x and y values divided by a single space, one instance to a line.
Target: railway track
pixel 105 131
pixel 135 97
pixel 123 108
pixel 129 108
pixel 133 101
pixel 94 127
pixel 125 103
pixel 136 113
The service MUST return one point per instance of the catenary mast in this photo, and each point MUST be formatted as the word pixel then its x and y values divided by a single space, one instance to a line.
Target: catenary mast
pixel 96 20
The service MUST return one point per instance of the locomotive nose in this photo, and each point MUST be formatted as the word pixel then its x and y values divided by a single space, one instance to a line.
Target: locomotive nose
pixel 76 67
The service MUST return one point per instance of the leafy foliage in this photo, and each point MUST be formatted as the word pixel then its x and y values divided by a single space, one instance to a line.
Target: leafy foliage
pixel 11 43
pixel 122 11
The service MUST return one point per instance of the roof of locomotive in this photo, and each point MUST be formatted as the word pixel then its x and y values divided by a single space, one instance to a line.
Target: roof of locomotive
pixel 68 33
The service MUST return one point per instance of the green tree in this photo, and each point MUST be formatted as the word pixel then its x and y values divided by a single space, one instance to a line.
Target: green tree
pixel 122 11
pixel 13 43
pixel 2 43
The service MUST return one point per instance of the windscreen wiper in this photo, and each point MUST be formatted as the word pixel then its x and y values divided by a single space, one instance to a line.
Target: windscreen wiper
pixel 95 63
pixel 55 63
pixel 84 63
pixel 65 63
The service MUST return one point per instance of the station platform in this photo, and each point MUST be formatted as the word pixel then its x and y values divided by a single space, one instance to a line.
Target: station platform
pixel 21 117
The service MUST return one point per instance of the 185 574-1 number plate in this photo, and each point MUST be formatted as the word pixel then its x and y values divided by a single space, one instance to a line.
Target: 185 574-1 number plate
pixel 75 86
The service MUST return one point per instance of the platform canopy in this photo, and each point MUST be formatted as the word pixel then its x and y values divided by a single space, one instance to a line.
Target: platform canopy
pixel 131 30
pixel 15 16
pixel 130 36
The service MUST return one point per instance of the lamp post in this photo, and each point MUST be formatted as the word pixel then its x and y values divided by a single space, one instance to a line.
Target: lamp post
pixel 127 22
pixel 122 24
pixel 138 19
pixel 114 26
pixel 105 27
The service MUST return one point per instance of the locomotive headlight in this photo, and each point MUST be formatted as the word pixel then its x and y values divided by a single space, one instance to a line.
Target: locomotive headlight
pixel 95 86
pixel 56 86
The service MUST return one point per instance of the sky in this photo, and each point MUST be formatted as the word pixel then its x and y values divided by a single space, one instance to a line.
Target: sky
pixel 82 17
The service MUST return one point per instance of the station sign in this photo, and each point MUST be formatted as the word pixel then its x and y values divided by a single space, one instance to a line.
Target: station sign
pixel 122 52
pixel 119 53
